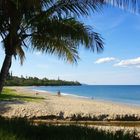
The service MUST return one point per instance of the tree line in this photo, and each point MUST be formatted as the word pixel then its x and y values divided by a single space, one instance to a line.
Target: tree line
pixel 34 81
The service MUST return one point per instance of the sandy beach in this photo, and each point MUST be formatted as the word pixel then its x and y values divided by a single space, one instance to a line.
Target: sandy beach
pixel 64 106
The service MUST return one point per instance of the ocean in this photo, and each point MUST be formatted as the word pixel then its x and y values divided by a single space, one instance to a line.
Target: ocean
pixel 126 94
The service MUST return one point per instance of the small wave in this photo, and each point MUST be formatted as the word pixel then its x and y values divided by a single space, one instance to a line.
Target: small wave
pixel 43 91
pixel 73 95
pixel 65 94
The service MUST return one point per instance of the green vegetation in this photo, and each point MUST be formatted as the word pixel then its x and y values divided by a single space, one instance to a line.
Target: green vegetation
pixel 34 81
pixel 12 95
pixel 92 119
pixel 21 129
pixel 104 117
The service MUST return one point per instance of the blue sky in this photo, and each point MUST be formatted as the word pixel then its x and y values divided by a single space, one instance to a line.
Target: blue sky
pixel 118 64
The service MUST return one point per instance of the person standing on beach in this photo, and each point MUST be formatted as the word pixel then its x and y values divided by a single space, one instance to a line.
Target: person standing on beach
pixel 58 93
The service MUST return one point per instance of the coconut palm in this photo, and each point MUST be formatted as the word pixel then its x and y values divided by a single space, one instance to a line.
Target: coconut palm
pixel 49 26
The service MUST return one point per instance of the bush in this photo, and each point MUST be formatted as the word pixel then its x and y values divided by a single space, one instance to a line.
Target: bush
pixel 22 129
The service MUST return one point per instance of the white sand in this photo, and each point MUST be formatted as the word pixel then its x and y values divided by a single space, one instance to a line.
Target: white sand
pixel 53 105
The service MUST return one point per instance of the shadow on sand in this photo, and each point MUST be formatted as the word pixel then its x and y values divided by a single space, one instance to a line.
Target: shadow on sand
pixel 5 105
pixel 8 99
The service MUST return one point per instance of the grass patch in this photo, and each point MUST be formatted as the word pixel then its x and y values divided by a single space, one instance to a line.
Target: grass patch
pixel 22 129
pixel 12 95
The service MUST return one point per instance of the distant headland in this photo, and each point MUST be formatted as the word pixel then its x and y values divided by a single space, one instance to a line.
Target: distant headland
pixel 35 81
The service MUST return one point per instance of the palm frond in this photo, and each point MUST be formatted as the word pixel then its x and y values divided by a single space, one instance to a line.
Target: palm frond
pixel 62 47
pixel 63 37
pixel 84 7
pixel 72 29
pixel 50 28
pixel 20 53
pixel 73 7
pixel 131 5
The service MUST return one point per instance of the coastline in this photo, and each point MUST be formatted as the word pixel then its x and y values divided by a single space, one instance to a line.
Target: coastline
pixel 64 106
pixel 116 94
pixel 86 97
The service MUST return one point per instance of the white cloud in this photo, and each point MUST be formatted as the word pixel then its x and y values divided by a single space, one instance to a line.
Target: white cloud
pixel 38 53
pixel 105 60
pixel 129 62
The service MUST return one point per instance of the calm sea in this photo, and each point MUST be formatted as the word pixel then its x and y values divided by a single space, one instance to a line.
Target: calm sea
pixel 129 94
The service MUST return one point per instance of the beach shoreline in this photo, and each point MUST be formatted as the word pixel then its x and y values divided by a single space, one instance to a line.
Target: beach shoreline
pixel 116 94
pixel 69 95
pixel 64 106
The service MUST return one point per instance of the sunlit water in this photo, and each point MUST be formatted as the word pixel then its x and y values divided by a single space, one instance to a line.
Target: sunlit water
pixel 129 94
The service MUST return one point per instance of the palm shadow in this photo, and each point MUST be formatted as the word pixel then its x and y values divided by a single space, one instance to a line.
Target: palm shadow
pixel 8 99
pixel 4 105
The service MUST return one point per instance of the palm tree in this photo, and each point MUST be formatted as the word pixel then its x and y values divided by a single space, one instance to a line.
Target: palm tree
pixel 50 26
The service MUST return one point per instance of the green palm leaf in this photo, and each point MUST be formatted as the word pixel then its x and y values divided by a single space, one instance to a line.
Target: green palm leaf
pixel 132 5
pixel 56 22
pixel 69 32
pixel 21 54
pixel 63 47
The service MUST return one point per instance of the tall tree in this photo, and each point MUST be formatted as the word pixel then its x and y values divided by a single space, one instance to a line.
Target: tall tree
pixel 50 26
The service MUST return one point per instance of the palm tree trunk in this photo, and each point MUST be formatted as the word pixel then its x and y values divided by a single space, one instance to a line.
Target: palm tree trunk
pixel 4 70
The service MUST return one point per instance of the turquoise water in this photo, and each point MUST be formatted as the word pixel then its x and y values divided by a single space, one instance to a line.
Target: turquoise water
pixel 129 94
